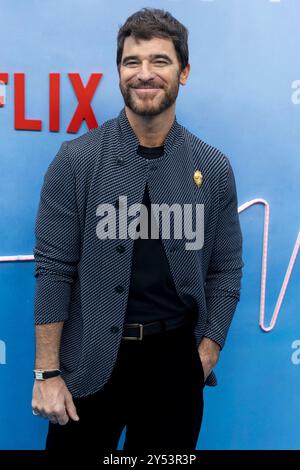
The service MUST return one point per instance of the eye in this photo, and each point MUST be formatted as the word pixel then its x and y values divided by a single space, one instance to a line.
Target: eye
pixel 130 63
pixel 161 62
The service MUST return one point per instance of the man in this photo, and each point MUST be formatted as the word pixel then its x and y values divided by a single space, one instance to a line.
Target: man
pixel 129 327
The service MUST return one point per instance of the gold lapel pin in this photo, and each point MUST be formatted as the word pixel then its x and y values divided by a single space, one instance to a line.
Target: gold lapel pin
pixel 198 178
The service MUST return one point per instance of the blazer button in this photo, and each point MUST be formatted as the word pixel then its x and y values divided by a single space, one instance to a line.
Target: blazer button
pixel 120 248
pixel 120 160
pixel 173 249
pixel 114 329
pixel 153 168
pixel 119 289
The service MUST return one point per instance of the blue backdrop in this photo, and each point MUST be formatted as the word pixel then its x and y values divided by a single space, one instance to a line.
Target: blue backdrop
pixel 243 97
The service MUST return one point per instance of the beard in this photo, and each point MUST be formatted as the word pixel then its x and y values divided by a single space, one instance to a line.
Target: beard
pixel 148 106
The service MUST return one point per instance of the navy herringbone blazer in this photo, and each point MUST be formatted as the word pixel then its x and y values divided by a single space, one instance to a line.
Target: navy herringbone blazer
pixel 84 281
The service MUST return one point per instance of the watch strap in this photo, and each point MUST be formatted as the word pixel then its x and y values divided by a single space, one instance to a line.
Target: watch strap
pixel 46 374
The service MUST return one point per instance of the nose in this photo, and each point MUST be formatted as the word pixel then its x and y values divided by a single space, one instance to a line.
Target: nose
pixel 145 72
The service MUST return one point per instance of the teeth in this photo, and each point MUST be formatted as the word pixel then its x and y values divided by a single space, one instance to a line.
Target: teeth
pixel 145 88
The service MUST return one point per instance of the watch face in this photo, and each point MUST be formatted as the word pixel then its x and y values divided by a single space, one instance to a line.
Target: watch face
pixel 39 376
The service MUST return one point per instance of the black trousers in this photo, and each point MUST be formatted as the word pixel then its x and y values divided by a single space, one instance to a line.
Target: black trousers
pixel 156 390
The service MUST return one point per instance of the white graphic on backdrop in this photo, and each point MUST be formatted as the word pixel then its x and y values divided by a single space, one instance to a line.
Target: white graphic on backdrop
pixel 2 93
pixel 2 352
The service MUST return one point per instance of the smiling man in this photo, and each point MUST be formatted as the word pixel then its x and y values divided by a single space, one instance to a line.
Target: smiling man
pixel 129 329
pixel 150 74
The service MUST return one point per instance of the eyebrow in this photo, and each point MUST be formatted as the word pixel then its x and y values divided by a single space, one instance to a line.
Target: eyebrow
pixel 152 56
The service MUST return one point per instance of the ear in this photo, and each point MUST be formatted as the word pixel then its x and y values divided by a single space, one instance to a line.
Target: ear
pixel 184 74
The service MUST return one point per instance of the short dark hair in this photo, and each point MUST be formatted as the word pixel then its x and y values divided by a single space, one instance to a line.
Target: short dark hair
pixel 149 23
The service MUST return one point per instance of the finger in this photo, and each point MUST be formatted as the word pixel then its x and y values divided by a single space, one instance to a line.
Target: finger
pixel 43 414
pixel 49 414
pixel 206 373
pixel 71 409
pixel 62 418
pixel 53 419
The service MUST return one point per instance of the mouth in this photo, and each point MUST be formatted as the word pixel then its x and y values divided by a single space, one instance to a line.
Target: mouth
pixel 145 91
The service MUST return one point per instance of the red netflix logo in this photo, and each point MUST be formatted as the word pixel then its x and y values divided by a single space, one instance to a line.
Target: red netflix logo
pixel 84 95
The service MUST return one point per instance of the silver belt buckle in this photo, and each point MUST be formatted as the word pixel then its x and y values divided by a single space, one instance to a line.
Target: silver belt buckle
pixel 137 338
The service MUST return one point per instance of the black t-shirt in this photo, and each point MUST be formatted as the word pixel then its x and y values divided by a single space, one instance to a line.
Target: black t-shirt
pixel 152 293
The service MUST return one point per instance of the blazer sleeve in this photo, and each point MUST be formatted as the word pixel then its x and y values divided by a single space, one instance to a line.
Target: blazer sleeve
pixel 57 241
pixel 223 281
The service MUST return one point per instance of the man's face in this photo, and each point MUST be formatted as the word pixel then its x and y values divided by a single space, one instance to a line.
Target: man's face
pixel 150 75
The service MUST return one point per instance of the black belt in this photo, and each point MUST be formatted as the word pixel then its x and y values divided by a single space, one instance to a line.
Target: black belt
pixel 136 331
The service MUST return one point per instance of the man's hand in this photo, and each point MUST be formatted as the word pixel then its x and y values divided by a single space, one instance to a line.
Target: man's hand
pixel 52 400
pixel 209 352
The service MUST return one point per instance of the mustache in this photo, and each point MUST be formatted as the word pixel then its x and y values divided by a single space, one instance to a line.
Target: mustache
pixel 145 85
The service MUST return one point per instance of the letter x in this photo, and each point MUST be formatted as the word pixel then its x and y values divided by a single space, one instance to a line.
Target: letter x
pixel 84 96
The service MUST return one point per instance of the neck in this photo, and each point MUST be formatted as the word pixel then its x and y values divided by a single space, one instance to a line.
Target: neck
pixel 151 130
